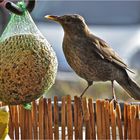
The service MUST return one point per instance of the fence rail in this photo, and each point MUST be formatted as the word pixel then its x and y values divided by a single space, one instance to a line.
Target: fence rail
pixel 78 119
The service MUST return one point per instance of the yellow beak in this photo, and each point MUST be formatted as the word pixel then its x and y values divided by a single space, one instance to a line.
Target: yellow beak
pixel 54 18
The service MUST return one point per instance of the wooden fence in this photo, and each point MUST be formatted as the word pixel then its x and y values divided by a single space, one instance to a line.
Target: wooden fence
pixel 77 119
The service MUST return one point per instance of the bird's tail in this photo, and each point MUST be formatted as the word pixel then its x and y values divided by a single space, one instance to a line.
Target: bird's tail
pixel 131 87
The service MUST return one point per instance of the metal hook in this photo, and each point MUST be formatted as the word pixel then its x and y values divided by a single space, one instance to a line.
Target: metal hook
pixel 17 10
pixel 13 8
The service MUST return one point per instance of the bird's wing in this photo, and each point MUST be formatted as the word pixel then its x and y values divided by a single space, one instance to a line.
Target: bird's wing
pixel 106 52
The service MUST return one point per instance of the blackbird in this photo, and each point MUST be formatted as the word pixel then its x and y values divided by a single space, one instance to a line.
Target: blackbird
pixel 91 57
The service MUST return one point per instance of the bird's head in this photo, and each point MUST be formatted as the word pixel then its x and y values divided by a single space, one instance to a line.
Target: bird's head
pixel 70 23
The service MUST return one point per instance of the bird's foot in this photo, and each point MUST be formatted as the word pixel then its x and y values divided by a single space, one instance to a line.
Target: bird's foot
pixel 114 100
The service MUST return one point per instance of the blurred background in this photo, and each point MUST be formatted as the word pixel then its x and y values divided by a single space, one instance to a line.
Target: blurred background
pixel 116 22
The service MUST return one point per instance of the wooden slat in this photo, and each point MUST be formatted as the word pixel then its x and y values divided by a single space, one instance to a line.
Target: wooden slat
pixel 92 118
pixel 25 124
pixel 80 119
pixel 22 121
pixel 11 125
pixel 85 109
pixel 138 124
pixel 103 121
pixel 125 121
pixel 46 127
pixel 137 117
pixel 76 117
pixel 129 121
pixel 34 114
pixel 119 121
pixel 86 118
pixel 56 118
pixel 63 117
pixel 34 120
pixel 26 119
pixel 41 119
pixel 138 128
pixel 69 118
pixel 107 119
pixel 133 122
pixel 50 119
pixel 16 122
pixel 30 134
pixel 113 119
pixel 98 119
pixel 137 111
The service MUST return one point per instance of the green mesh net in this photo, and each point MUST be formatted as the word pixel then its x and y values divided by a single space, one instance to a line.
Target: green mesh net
pixel 28 64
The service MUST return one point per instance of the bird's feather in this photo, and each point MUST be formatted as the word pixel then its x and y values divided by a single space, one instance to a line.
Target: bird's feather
pixel 106 52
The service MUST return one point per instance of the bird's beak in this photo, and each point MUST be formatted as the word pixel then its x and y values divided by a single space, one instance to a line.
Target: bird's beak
pixel 54 18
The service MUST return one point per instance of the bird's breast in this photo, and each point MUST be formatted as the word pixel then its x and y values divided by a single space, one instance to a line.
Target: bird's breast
pixel 81 58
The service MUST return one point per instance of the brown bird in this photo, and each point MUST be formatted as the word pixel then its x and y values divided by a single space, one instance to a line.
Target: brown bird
pixel 91 57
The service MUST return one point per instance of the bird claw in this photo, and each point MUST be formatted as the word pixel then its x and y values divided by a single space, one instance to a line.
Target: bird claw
pixel 115 102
